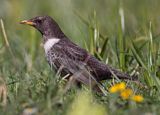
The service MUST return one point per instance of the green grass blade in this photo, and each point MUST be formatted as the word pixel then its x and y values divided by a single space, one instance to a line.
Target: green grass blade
pixel 104 46
pixel 137 56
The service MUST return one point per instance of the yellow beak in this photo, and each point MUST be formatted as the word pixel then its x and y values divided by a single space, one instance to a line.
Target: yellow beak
pixel 27 22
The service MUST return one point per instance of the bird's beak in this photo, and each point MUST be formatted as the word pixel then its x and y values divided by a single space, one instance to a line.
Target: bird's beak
pixel 28 22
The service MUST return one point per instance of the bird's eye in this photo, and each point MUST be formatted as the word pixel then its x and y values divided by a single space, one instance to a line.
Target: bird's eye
pixel 39 21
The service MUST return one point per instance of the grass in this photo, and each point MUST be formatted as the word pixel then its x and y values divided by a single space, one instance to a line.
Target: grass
pixel 124 34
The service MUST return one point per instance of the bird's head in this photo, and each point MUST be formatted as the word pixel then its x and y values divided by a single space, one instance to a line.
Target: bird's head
pixel 45 24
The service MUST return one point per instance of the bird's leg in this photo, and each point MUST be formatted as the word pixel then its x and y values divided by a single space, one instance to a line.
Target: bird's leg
pixel 69 84
pixel 59 72
pixel 84 76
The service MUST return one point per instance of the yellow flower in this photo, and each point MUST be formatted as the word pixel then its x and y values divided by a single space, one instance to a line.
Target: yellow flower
pixel 113 89
pixel 137 98
pixel 117 87
pixel 125 94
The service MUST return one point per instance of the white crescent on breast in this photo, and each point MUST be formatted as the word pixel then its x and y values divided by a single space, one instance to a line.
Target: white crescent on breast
pixel 50 43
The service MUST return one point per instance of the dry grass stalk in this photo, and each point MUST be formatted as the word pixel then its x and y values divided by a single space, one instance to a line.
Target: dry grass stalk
pixel 3 92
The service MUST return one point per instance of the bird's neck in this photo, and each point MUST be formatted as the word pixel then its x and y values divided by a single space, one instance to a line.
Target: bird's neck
pixel 48 37
pixel 53 31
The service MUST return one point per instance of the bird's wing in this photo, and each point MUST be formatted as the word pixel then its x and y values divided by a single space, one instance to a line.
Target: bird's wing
pixel 73 51
pixel 85 67
pixel 72 59
pixel 97 68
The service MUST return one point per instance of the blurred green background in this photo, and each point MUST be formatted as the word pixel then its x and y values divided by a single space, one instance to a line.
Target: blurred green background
pixel 128 29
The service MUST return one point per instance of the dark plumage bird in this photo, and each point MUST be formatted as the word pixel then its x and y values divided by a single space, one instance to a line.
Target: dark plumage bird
pixel 68 58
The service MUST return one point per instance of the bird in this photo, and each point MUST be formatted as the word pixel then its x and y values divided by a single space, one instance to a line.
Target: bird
pixel 68 58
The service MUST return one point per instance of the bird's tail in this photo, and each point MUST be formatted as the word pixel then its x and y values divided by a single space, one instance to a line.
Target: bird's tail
pixel 120 75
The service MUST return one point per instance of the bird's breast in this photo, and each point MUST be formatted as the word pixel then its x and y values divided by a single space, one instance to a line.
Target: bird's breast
pixel 50 43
